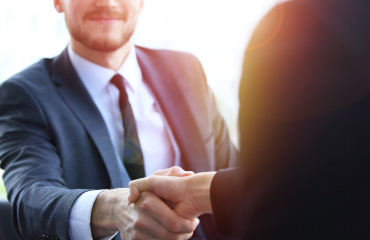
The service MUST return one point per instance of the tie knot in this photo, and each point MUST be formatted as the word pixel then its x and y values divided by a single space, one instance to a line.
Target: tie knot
pixel 118 81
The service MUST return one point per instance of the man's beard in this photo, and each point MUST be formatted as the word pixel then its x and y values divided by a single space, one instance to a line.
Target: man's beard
pixel 99 43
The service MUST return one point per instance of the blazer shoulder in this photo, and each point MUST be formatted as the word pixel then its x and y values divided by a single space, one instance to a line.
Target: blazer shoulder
pixel 167 55
pixel 35 75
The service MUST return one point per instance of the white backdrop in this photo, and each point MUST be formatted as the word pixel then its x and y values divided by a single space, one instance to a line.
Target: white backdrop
pixel 215 31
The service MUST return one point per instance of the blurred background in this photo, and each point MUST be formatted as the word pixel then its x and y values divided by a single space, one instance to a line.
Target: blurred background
pixel 215 31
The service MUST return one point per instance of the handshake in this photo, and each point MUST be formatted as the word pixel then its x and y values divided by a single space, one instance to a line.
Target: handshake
pixel 188 194
pixel 164 205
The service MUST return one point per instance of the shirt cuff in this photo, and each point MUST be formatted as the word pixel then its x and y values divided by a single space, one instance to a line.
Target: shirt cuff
pixel 79 217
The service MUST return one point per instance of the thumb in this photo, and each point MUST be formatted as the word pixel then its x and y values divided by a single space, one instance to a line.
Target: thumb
pixel 138 186
pixel 173 171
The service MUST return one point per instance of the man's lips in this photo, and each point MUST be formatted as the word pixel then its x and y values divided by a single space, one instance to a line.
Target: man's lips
pixel 104 17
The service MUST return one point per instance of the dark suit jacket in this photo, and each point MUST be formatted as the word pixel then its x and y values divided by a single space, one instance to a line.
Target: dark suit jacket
pixel 304 126
pixel 54 144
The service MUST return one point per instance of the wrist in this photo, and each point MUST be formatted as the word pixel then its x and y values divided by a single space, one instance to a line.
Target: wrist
pixel 102 221
pixel 199 190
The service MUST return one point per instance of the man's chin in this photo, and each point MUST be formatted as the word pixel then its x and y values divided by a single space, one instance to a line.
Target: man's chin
pixel 104 46
pixel 101 44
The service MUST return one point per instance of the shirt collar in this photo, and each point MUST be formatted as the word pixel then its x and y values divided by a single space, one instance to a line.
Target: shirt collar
pixel 130 70
pixel 95 77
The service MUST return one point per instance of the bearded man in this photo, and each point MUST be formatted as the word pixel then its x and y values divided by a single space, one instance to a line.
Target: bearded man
pixel 100 114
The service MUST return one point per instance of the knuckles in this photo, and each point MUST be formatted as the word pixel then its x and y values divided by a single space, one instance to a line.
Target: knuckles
pixel 173 236
pixel 139 224
pixel 173 225
pixel 136 236
pixel 175 170
pixel 145 206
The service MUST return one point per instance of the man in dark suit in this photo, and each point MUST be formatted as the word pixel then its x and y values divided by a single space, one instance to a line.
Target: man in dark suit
pixel 67 127
pixel 304 127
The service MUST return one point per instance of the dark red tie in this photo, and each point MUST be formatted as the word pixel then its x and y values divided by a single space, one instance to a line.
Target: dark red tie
pixel 132 154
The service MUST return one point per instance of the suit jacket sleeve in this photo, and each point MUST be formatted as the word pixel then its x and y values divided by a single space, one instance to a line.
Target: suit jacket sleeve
pixel 33 174
pixel 304 113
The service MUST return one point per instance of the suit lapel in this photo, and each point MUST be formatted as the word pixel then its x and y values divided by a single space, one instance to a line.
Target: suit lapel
pixel 78 99
pixel 163 83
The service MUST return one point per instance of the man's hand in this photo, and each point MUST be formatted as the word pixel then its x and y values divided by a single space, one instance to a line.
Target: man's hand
pixel 188 196
pixel 148 218
pixel 174 171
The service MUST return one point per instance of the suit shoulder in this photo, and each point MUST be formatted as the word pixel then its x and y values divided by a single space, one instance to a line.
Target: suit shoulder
pixel 167 55
pixel 36 74
pixel 174 61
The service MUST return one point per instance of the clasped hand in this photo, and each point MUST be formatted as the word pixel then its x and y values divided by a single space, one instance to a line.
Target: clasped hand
pixel 188 195
pixel 148 217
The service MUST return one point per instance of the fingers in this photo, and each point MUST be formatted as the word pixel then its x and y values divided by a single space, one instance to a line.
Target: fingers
pixel 158 231
pixel 149 218
pixel 138 186
pixel 165 216
pixel 138 235
pixel 174 171
pixel 147 184
pixel 163 186
pixel 156 219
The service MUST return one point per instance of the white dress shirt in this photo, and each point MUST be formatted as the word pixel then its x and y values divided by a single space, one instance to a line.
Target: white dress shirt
pixel 158 146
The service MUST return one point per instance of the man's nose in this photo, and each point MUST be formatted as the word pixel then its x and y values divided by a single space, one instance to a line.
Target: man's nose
pixel 107 3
